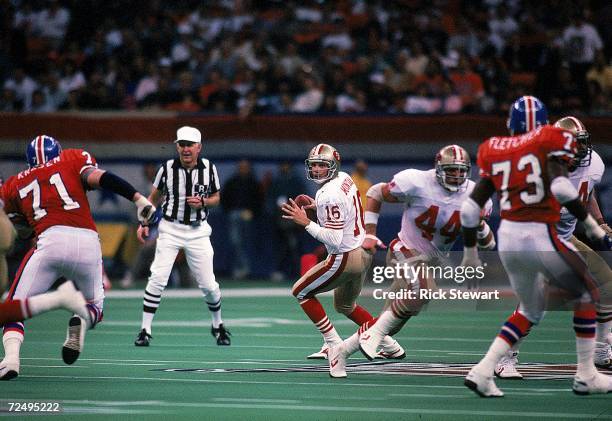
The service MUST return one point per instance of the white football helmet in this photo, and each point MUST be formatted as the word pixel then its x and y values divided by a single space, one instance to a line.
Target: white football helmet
pixel 583 138
pixel 453 167
pixel 323 154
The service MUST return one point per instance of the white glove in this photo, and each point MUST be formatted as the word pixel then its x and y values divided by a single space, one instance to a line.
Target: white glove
pixel 145 211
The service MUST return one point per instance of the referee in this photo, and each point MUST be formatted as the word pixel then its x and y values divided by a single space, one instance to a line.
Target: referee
pixel 187 187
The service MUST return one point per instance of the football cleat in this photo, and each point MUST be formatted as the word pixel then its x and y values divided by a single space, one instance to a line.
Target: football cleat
pixel 221 334
pixel 337 361
pixel 75 339
pixel 143 338
pixel 506 367
pixel 390 350
pixel 9 368
pixel 320 355
pixel 482 384
pixel 369 342
pixel 603 355
pixel 599 383
pixel 73 300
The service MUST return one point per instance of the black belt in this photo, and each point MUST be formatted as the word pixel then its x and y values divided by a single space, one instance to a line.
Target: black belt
pixel 190 223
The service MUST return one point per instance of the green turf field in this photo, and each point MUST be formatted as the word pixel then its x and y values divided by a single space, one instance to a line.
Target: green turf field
pixel 113 379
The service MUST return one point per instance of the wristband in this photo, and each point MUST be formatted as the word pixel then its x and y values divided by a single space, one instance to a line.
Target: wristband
pixel 371 217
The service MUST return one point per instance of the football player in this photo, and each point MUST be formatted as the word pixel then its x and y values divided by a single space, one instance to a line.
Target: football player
pixel 430 225
pixel 529 174
pixel 341 229
pixel 585 171
pixel 51 194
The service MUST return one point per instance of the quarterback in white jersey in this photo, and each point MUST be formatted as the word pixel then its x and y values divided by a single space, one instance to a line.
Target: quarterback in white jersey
pixel 430 225
pixel 341 228
pixel 585 172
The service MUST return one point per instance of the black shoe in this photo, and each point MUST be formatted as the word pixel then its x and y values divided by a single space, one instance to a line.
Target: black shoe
pixel 143 338
pixel 221 334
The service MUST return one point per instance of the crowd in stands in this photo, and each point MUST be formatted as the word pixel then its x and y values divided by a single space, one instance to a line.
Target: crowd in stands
pixel 273 56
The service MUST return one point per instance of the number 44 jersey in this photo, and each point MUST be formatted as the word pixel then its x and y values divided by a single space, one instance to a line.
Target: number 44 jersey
pixel 517 166
pixel 430 222
pixel 53 193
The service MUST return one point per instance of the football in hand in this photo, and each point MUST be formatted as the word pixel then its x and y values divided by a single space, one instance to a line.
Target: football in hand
pixel 305 200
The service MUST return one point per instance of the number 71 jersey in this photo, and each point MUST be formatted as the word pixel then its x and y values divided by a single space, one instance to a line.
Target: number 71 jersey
pixel 517 167
pixel 430 222
pixel 53 193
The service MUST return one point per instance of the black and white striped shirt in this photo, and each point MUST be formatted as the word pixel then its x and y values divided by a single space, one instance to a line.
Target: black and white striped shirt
pixel 177 182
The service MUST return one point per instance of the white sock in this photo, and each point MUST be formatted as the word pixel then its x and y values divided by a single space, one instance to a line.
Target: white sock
pixel 386 323
pixel 147 321
pixel 331 337
pixel 351 344
pixel 12 344
pixel 44 302
pixel 603 332
pixel 497 350
pixel 585 347
pixel 213 300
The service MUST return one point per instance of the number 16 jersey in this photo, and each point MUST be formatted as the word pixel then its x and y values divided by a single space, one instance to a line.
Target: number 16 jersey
pixel 430 222
pixel 53 193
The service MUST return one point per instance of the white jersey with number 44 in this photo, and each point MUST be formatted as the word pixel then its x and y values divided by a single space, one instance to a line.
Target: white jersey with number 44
pixel 339 208
pixel 584 179
pixel 430 222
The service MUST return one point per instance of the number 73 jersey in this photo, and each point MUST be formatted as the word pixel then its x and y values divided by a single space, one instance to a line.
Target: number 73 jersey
pixel 517 166
pixel 53 193
pixel 430 222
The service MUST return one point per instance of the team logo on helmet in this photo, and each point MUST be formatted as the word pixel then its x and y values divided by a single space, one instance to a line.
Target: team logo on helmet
pixel 526 114
pixel 326 155
pixel 42 149
pixel 453 167
pixel 583 138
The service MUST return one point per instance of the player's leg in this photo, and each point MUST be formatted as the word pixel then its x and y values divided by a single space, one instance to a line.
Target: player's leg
pixel 169 242
pixel 199 254
pixel 397 311
pixel 326 276
pixel 34 276
pixel 572 273
pixel 523 269
pixel 602 274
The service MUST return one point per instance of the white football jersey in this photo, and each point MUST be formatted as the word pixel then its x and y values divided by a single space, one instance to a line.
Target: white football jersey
pixel 339 207
pixel 584 179
pixel 430 222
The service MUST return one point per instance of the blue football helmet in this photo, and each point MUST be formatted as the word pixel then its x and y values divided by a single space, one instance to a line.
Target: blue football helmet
pixel 526 114
pixel 42 149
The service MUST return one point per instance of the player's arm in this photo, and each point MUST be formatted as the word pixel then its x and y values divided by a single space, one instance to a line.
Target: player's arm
pixel 377 194
pixel 7 231
pixel 567 195
pixel 96 178
pixel 593 208
pixel 471 218
pixel 329 236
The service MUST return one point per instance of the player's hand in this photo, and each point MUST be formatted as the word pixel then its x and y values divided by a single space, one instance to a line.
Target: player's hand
pixel 145 211
pixel 371 242
pixel 295 213
pixel 607 229
pixel 143 233
pixel 471 259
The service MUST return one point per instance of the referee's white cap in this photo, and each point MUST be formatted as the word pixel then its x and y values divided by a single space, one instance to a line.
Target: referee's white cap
pixel 189 134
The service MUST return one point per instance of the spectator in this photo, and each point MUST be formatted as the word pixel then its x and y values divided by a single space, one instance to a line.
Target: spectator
pixel 467 84
pixel 360 177
pixel 310 99
pixel 241 201
pixel 601 73
pixel 286 184
pixel 23 86
pixel 52 22
pixel 224 99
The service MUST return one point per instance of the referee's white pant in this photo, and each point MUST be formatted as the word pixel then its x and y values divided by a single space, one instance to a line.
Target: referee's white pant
pixel 195 241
